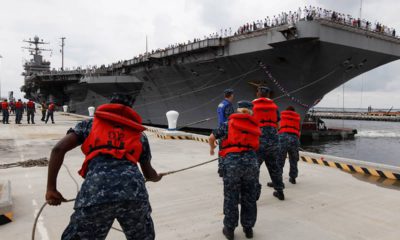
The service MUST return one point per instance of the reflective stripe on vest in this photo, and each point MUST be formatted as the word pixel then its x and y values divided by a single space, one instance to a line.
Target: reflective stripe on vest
pixel 243 134
pixel 116 131
pixel 265 111
pixel 290 122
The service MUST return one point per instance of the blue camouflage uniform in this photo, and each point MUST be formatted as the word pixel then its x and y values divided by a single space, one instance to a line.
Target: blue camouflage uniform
pixel 241 186
pixel 289 144
pixel 224 110
pixel 269 153
pixel 113 189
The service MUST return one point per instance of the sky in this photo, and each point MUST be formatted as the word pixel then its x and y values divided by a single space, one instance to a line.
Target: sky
pixel 101 32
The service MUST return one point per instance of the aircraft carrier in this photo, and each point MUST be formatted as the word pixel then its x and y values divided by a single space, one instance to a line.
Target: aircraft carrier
pixel 300 61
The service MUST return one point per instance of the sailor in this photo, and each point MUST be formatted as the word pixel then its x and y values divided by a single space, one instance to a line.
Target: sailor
pixel 225 108
pixel 12 107
pixel 19 110
pixel 44 109
pixel 114 188
pixel 240 140
pixel 289 133
pixel 4 109
pixel 50 112
pixel 30 110
pixel 267 114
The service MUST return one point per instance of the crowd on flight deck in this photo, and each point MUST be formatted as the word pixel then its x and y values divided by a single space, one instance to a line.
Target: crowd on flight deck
pixel 115 146
pixel 308 13
pixel 18 108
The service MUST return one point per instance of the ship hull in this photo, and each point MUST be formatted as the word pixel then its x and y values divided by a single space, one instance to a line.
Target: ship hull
pixel 308 68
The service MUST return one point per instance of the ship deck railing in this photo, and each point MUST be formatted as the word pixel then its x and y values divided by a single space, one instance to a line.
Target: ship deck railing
pixel 222 41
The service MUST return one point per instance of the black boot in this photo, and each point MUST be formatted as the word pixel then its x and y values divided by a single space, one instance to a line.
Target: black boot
pixel 228 233
pixel 248 232
pixel 292 180
pixel 279 195
pixel 271 185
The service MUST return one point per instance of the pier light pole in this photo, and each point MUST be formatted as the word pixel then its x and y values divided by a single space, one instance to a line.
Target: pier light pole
pixel 62 52
pixel 0 75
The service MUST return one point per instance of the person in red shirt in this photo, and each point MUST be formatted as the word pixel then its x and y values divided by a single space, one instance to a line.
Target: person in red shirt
pixel 19 110
pixel 50 112
pixel 289 134
pixel 4 109
pixel 31 110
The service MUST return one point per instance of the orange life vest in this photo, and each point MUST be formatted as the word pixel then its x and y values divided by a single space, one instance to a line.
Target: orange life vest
pixel 51 107
pixel 290 122
pixel 30 105
pixel 18 105
pixel 116 131
pixel 243 134
pixel 265 111
pixel 4 105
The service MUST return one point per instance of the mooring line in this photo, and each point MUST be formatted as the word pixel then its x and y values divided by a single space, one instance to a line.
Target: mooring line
pixel 72 200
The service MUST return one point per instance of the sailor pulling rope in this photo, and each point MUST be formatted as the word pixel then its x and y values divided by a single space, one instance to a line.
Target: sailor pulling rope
pixel 72 200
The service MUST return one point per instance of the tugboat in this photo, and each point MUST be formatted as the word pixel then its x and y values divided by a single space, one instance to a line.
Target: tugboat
pixel 315 129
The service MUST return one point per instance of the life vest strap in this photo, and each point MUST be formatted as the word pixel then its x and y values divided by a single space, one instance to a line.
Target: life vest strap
pixel 267 121
pixel 287 126
pixel 237 145
pixel 108 146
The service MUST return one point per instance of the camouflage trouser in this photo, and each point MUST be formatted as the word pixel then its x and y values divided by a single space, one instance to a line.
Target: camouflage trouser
pixel 240 186
pixel 18 115
pixel 289 144
pixel 94 222
pixel 270 155
pixel 30 115
pixel 6 115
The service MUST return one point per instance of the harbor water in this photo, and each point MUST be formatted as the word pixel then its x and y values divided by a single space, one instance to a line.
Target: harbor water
pixel 376 141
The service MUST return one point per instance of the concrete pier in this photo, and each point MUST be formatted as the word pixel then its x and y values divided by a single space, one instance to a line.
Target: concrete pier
pixel 327 203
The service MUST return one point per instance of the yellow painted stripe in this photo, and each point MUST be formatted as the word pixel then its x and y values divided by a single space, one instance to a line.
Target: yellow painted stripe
pixel 373 172
pixel 320 162
pixel 345 167
pixel 358 169
pixel 9 215
pixel 332 164
pixel 309 160
pixel 389 175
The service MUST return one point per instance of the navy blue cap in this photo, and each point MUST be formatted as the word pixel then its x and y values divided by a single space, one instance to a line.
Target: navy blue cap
pixel 122 98
pixel 245 104
pixel 263 89
pixel 228 90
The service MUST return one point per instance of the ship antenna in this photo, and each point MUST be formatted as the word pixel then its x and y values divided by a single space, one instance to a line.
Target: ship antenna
pixel 146 46
pixel 62 52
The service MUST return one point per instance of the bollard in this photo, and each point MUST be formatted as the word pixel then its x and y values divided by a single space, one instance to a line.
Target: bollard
pixel 65 108
pixel 91 111
pixel 172 117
